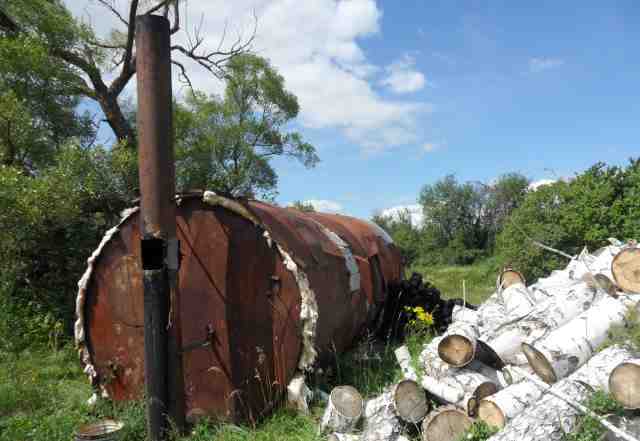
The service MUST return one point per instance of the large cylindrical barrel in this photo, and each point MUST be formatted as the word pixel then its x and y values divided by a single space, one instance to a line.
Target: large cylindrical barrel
pixel 265 292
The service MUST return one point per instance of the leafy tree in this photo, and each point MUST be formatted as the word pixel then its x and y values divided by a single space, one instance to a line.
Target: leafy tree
pixel 600 203
pixel 42 36
pixel 226 144
pixel 404 234
pixel 455 212
pixel 303 206
pixel 502 197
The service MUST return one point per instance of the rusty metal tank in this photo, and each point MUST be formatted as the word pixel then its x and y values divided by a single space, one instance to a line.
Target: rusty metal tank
pixel 265 292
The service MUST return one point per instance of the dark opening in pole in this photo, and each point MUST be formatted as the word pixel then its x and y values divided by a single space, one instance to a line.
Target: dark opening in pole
pixel 162 337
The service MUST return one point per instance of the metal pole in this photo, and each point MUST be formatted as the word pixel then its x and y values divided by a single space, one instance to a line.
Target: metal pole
pixel 159 247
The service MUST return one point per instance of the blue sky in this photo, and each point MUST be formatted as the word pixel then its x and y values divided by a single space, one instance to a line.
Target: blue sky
pixel 396 95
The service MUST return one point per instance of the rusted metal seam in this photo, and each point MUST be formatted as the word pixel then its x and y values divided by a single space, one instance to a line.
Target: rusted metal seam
pixel 308 303
pixel 83 283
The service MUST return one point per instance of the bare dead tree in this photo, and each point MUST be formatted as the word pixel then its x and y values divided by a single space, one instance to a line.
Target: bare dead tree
pixel 91 82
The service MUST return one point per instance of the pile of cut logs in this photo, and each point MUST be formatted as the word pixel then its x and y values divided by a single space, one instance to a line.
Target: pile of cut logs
pixel 522 362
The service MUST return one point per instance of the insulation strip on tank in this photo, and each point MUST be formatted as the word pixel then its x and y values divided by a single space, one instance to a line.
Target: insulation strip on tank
pixel 349 260
pixel 308 304
pixel 79 328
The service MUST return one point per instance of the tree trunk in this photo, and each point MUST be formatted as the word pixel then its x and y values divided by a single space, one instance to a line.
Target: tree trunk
pixel 458 345
pixel 547 315
pixel 384 415
pixel 445 424
pixel 114 116
pixel 568 347
pixel 626 270
pixel 624 383
pixel 498 409
pixel 550 417
pixel 343 437
pixel 509 277
pixel 461 314
pixel 404 360
pixel 343 411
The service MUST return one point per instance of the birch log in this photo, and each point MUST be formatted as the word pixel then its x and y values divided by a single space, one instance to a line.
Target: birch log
pixel 546 316
pixel 568 347
pixel 343 411
pixel 626 270
pixel 509 277
pixel 462 314
pixel 385 414
pixel 343 437
pixel 497 409
pixel 458 345
pixel 462 387
pixel 404 360
pixel 624 383
pixel 550 417
pixel 445 424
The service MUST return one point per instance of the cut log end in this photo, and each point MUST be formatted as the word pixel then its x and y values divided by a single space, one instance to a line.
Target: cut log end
pixel 347 400
pixel 491 414
pixel 510 277
pixel 410 401
pixel 624 385
pixel 539 363
pixel 457 350
pixel 626 270
pixel 445 424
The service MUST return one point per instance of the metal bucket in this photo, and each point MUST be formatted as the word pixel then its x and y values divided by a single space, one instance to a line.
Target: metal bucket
pixel 104 430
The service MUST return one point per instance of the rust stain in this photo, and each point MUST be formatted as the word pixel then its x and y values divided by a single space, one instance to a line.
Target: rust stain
pixel 227 281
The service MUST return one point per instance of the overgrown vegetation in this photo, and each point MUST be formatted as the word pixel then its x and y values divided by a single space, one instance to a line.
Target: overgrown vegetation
pixel 466 223
pixel 627 334
pixel 587 427
pixel 479 431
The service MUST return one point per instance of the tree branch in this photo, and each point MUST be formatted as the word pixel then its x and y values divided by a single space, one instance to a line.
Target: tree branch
pixel 115 12
pixel 184 78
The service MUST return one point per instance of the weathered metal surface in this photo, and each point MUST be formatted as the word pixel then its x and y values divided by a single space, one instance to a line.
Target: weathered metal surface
pixel 235 282
pixel 162 334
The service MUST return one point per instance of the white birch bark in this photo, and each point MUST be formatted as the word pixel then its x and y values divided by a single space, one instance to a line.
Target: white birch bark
pixel 380 419
pixel 343 410
pixel 343 437
pixel 433 365
pixel 457 386
pixel 445 424
pixel 461 314
pixel 385 414
pixel 566 304
pixel 458 344
pixel 496 410
pixel 624 383
pixel 570 346
pixel 518 300
pixel 550 417
pixel 404 360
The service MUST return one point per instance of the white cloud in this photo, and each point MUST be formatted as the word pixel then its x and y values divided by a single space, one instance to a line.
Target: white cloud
pixel 534 185
pixel 541 64
pixel 414 210
pixel 430 147
pixel 315 45
pixel 324 205
pixel 402 76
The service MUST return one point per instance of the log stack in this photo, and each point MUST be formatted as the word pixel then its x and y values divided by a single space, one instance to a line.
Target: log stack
pixel 523 361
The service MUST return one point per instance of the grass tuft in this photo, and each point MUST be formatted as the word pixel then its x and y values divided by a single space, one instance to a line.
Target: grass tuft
pixel 589 428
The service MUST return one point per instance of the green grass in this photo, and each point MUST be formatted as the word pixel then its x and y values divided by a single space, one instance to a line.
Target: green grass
pixel 589 428
pixel 480 279
pixel 43 394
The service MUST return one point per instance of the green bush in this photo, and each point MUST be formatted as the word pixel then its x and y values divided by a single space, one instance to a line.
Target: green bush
pixel 49 225
pixel 602 202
